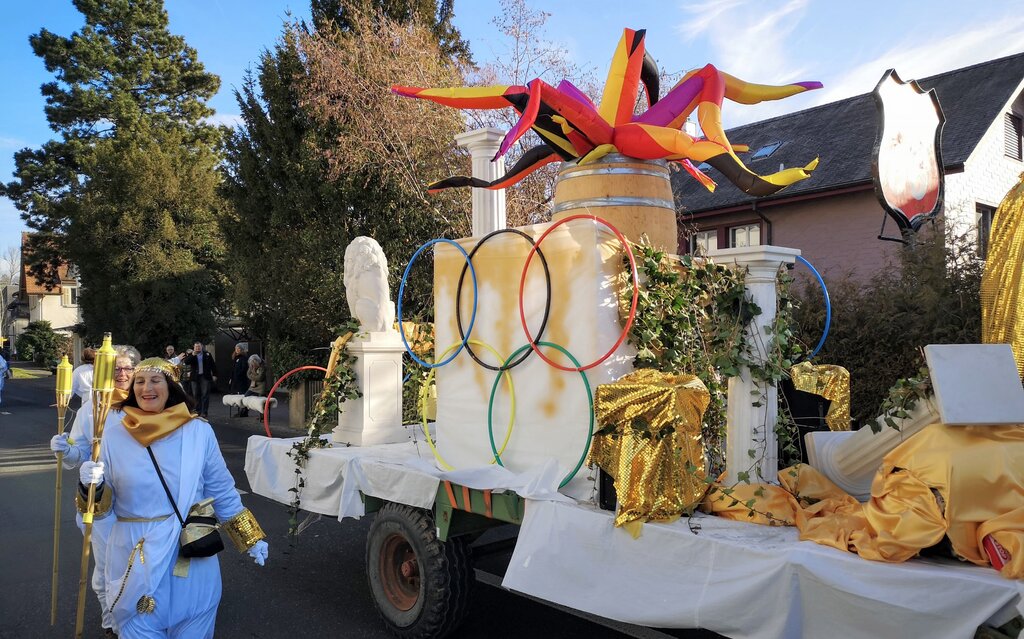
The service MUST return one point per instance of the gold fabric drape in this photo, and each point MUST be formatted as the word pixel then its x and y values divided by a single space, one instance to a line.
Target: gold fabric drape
pixel 961 482
pixel 829 381
pixel 146 428
pixel 1002 283
pixel 650 442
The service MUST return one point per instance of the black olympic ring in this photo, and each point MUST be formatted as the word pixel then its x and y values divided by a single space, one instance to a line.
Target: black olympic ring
pixel 458 300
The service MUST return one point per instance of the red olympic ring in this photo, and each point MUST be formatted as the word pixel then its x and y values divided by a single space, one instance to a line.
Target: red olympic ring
pixel 632 306
pixel 266 405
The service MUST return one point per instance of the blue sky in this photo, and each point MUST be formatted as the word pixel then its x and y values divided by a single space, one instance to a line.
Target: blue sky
pixel 845 45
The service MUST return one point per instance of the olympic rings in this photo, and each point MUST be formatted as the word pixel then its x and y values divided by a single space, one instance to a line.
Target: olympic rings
pixel 401 291
pixel 458 298
pixel 590 403
pixel 532 343
pixel 511 419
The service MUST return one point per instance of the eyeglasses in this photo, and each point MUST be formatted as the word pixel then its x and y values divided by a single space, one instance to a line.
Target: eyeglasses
pixel 124 369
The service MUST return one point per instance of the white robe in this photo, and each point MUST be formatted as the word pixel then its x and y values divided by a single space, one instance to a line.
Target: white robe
pixel 81 449
pixel 194 469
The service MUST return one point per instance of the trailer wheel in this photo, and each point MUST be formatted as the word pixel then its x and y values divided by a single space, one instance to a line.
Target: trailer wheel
pixel 421 585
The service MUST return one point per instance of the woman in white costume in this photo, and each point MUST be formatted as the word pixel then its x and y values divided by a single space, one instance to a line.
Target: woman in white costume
pixel 167 594
pixel 78 446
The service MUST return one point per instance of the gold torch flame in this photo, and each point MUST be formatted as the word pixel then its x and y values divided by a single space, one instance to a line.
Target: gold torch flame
pixel 63 397
pixel 102 392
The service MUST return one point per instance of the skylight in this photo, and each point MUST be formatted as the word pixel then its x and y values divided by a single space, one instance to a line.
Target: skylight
pixel 766 150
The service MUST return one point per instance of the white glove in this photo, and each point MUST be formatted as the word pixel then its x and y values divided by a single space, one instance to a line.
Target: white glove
pixel 91 473
pixel 259 552
pixel 60 443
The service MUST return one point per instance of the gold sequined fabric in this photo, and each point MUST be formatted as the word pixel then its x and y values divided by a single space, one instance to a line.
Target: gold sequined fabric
pixel 649 441
pixel 828 381
pixel 1002 283
pixel 244 530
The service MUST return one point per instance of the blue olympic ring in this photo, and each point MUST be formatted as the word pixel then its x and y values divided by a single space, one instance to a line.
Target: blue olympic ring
pixel 828 305
pixel 401 292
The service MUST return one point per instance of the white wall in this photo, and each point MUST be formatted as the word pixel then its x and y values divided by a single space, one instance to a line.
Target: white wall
pixel 50 309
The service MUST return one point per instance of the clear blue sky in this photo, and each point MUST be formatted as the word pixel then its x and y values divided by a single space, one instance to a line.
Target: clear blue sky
pixel 846 45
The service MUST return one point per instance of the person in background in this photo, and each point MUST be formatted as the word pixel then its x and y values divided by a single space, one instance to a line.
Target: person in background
pixel 171 356
pixel 81 377
pixel 4 370
pixel 257 375
pixel 239 383
pixel 158 460
pixel 202 377
pixel 77 447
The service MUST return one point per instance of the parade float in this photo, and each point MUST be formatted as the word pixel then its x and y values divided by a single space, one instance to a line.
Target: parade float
pixel 619 404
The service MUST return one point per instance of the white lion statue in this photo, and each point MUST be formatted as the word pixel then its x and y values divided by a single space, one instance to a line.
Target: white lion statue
pixel 366 286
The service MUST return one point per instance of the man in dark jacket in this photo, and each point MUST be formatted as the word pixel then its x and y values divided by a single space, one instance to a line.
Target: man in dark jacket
pixel 202 376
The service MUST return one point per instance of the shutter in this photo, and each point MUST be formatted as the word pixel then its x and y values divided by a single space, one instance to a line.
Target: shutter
pixel 1012 135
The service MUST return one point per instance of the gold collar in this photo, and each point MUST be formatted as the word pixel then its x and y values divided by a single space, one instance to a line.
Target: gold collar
pixel 146 428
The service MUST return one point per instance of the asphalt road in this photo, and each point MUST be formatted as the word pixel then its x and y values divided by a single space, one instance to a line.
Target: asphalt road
pixel 313 586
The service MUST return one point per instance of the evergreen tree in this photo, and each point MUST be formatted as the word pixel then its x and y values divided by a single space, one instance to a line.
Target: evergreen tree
pixel 127 192
pixel 295 208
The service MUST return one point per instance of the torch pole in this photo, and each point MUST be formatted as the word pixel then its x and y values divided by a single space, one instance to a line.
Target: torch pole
pixel 103 390
pixel 63 397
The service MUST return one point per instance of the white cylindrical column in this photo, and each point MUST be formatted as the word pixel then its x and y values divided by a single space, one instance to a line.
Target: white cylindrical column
pixel 851 459
pixel 751 447
pixel 488 205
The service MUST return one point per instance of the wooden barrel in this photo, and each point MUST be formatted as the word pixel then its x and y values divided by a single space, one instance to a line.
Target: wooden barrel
pixel 634 195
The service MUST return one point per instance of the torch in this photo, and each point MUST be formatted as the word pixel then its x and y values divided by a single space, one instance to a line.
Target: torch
pixel 63 397
pixel 102 392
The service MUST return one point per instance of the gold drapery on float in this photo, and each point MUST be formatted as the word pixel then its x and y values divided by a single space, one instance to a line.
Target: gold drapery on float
pixel 916 499
pixel 1002 284
pixel 650 442
pixel 829 381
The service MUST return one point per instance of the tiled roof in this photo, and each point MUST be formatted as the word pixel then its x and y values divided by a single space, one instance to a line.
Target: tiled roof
pixel 843 133
pixel 28 281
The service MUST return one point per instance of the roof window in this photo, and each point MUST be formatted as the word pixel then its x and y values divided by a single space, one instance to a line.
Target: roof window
pixel 766 151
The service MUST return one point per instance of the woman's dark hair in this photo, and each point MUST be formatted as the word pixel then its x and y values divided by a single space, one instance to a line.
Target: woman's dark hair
pixel 88 355
pixel 175 395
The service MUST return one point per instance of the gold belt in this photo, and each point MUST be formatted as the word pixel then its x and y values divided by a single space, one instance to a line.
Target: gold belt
pixel 142 520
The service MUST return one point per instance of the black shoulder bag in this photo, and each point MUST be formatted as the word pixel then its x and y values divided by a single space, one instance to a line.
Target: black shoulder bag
pixel 199 532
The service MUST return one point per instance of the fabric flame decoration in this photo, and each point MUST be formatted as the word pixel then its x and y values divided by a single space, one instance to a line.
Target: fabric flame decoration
pixel 828 381
pixel 650 443
pixel 573 128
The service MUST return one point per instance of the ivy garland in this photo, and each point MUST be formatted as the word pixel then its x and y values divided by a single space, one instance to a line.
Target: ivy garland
pixel 691 318
pixel 339 388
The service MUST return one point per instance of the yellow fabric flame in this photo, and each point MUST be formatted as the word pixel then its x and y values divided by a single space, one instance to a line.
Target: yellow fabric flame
pixel 961 482
pixel 829 381
pixel 650 442
pixel 1002 283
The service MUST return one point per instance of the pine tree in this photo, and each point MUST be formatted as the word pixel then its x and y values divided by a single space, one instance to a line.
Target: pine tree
pixel 127 192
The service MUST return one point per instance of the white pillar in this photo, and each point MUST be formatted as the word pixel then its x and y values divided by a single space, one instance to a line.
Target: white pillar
pixel 488 206
pixel 851 459
pixel 376 417
pixel 749 427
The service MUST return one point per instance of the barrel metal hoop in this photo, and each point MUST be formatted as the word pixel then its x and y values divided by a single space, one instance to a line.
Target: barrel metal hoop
pixel 609 170
pixel 613 201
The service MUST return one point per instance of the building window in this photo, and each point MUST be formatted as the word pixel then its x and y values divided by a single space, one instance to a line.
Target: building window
pixel 702 242
pixel 984 220
pixel 766 151
pixel 1013 130
pixel 69 295
pixel 746 235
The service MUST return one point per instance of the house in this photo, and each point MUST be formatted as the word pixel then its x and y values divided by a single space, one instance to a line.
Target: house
pixel 55 302
pixel 834 216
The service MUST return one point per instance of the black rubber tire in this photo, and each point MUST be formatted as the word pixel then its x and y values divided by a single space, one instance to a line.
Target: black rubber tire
pixel 444 571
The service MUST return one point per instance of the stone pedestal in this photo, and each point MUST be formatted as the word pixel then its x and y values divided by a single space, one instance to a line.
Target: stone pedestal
pixel 752 428
pixel 851 458
pixel 488 205
pixel 376 417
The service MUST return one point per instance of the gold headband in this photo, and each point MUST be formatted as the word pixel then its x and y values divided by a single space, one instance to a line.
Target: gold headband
pixel 157 365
